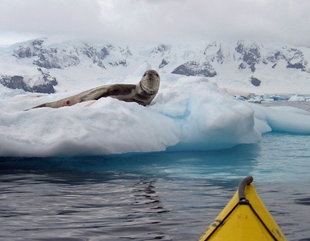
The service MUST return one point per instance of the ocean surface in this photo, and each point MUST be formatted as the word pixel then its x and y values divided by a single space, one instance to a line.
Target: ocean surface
pixel 153 196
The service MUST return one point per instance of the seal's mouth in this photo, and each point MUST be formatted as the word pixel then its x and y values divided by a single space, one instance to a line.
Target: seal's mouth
pixel 147 90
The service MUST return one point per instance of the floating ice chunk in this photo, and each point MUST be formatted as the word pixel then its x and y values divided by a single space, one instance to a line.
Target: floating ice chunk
pixel 282 118
pixel 239 97
pixel 108 126
pixel 297 98
pixel 188 113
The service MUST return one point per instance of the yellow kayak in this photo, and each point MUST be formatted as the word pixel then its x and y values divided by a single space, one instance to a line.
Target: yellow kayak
pixel 245 218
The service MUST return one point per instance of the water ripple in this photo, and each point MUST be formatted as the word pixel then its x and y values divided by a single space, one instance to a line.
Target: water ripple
pixel 164 196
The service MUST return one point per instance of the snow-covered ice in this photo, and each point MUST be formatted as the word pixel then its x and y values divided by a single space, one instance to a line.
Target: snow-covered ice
pixel 297 98
pixel 188 113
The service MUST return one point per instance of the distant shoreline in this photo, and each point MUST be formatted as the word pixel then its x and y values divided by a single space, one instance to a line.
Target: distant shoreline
pixel 247 96
pixel 305 105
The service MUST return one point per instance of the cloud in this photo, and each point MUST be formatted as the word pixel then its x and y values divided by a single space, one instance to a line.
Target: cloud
pixel 161 20
pixel 50 17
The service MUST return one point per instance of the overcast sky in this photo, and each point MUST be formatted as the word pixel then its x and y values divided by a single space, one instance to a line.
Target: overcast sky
pixel 154 21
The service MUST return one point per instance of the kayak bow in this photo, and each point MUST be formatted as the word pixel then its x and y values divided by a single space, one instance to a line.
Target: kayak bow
pixel 244 218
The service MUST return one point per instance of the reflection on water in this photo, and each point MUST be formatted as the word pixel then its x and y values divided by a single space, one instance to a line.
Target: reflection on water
pixel 238 161
pixel 154 196
pixel 303 201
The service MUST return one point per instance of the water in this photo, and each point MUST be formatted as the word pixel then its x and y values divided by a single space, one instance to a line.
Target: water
pixel 155 196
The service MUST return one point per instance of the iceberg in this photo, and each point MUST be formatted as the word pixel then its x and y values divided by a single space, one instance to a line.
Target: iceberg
pixel 188 113
pixel 285 119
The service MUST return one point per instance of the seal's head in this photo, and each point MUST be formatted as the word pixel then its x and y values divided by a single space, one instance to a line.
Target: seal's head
pixel 150 82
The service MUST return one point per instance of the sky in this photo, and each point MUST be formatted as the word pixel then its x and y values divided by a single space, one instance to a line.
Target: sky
pixel 153 21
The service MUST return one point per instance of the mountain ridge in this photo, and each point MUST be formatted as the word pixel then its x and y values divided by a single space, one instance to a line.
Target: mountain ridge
pixel 38 63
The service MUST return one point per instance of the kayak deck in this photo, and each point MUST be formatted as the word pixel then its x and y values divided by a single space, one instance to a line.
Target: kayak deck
pixel 244 218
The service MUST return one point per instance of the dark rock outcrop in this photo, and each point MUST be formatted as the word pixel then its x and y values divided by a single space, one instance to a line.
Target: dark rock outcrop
pixel 296 66
pixel 96 56
pixel 193 68
pixel 250 55
pixel 220 56
pixel 161 49
pixel 254 81
pixel 47 78
pixel 163 63
pixel 14 82
pixel 295 59
pixel 43 85
pixel 47 88
pixel 47 57
pixel 122 62
pixel 50 60
pixel 242 66
pixel 214 52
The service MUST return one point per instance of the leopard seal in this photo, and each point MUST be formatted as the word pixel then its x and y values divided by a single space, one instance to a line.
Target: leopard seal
pixel 143 93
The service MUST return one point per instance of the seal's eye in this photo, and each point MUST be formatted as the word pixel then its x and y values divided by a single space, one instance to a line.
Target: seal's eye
pixel 144 74
pixel 157 75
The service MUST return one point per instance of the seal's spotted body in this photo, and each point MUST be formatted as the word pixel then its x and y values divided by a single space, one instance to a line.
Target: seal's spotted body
pixel 142 93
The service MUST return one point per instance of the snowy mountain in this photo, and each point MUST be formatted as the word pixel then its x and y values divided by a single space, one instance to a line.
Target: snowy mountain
pixel 45 67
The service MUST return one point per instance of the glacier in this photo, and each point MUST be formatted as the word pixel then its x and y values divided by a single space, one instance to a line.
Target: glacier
pixel 188 113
